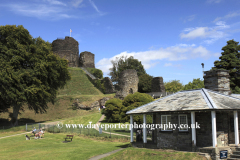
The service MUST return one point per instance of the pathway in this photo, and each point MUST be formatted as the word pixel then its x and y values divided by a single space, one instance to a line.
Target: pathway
pixel 98 124
pixel 14 135
pixel 105 155
pixel 109 153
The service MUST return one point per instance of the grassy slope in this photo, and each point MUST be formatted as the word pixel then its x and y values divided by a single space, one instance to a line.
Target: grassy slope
pixel 148 154
pixel 51 147
pixel 79 85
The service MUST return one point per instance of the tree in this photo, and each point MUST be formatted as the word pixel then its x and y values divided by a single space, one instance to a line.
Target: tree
pixel 173 86
pixel 195 84
pixel 132 101
pixel 145 83
pixel 29 72
pixel 230 60
pixel 113 110
pixel 96 72
pixel 123 63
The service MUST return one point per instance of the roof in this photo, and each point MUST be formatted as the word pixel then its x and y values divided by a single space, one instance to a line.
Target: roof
pixel 191 100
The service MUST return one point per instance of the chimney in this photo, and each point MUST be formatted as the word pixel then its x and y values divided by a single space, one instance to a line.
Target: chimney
pixel 217 80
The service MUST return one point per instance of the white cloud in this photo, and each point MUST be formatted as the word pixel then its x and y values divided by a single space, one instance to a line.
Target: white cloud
pixel 77 3
pixel 50 10
pixel 210 33
pixel 214 1
pixel 94 6
pixel 189 18
pixel 174 53
pixel 186 45
pixel 55 2
pixel 228 16
pixel 197 32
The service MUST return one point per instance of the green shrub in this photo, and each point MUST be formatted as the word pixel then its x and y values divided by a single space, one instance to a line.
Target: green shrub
pixel 96 72
pixel 133 101
pixel 113 109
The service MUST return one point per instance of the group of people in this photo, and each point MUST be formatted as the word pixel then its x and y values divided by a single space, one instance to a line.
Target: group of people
pixel 38 134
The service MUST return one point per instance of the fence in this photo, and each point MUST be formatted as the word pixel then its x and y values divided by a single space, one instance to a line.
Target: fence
pixel 123 133
pixel 109 133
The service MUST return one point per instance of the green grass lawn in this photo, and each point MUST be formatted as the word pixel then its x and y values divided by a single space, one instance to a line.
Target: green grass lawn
pixel 94 117
pixel 51 147
pixel 119 130
pixel 149 154
pixel 79 84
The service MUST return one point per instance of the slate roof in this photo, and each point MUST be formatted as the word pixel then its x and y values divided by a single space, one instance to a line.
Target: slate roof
pixel 191 100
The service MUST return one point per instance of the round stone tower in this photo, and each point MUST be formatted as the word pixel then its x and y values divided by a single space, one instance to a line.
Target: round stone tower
pixel 67 48
pixel 128 83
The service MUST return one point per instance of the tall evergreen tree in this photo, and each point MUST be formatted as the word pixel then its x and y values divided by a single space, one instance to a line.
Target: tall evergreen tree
pixel 230 60
pixel 29 72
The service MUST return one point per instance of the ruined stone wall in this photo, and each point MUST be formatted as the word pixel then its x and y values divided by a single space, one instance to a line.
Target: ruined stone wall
pixel 217 80
pixel 128 83
pixel 157 85
pixel 67 48
pixel 108 85
pixel 86 60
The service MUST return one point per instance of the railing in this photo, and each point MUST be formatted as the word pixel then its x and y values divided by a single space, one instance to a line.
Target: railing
pixel 88 73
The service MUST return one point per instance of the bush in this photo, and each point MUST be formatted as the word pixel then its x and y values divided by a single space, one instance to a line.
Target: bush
pixel 113 109
pixel 99 85
pixel 96 72
pixel 133 101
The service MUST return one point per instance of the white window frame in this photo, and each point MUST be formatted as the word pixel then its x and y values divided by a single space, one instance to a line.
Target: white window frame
pixel 183 129
pixel 162 129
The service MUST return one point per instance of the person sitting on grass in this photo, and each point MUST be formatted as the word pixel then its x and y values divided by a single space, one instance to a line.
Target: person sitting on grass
pixel 37 135
pixel 33 130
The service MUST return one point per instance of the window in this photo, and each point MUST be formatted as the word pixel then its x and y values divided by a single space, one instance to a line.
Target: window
pixel 183 125
pixel 166 119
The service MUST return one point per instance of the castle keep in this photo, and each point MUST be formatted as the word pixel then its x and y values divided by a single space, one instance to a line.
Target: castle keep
pixel 67 48
pixel 86 60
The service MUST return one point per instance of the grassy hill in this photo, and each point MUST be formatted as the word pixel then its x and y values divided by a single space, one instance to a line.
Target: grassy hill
pixel 79 87
pixel 79 84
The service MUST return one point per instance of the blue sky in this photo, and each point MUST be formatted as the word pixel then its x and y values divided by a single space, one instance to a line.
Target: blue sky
pixel 171 38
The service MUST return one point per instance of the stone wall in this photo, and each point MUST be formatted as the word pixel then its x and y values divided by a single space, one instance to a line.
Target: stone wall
pixel 175 139
pixel 108 85
pixel 217 80
pixel 157 85
pixel 204 134
pixel 128 83
pixel 67 48
pixel 86 60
